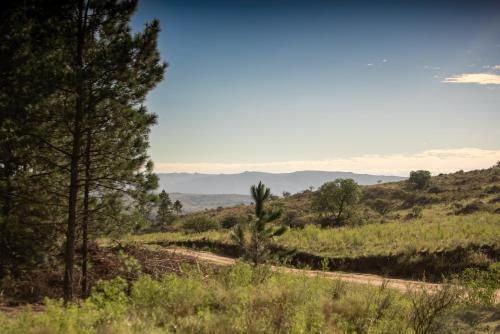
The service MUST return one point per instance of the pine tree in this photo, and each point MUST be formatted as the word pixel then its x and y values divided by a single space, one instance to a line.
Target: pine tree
pixel 80 78
pixel 255 239
pixel 177 207
pixel 31 198
pixel 165 207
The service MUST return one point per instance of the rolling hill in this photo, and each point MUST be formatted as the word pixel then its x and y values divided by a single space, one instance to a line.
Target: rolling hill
pixel 200 202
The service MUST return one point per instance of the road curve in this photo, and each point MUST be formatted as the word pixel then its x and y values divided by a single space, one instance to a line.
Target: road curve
pixel 375 280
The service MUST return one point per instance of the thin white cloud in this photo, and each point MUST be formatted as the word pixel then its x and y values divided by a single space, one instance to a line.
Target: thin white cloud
pixel 369 64
pixel 475 78
pixel 437 161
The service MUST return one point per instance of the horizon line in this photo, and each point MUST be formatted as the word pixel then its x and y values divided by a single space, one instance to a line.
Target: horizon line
pixel 435 160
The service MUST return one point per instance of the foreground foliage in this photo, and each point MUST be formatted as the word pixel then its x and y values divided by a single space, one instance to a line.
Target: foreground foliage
pixel 245 299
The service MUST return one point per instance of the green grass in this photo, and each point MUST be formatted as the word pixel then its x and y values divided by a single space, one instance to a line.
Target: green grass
pixel 239 299
pixel 399 237
pixel 434 232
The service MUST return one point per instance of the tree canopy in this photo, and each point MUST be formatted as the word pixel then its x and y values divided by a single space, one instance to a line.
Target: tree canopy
pixel 419 179
pixel 335 200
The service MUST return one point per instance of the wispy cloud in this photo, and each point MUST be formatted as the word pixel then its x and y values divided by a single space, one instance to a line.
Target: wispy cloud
pixel 475 78
pixel 378 63
pixel 437 161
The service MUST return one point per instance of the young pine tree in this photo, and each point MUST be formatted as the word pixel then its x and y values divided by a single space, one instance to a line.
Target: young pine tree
pixel 255 238
pixel 164 208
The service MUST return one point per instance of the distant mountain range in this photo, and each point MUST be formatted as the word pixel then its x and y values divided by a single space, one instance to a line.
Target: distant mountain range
pixel 200 202
pixel 239 184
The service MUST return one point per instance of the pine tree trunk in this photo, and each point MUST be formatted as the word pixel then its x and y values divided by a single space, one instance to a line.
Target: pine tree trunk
pixel 6 215
pixel 70 233
pixel 85 222
pixel 75 160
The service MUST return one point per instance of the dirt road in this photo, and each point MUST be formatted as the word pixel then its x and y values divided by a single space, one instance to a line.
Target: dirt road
pixel 375 280
pixel 399 284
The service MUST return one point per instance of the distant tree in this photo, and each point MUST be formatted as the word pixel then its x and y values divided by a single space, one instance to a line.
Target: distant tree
pixel 420 179
pixel 164 208
pixel 177 207
pixel 335 200
pixel 255 238
pixel 286 194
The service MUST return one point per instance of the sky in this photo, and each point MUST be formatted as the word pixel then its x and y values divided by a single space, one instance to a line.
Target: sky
pixel 365 86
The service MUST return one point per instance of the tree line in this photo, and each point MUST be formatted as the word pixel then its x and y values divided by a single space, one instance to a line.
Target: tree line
pixel 74 130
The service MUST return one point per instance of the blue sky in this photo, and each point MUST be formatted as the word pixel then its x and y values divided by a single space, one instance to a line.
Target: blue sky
pixel 287 85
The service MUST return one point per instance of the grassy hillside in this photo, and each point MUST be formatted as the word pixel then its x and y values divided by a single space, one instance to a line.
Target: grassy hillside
pixel 447 194
pixel 452 224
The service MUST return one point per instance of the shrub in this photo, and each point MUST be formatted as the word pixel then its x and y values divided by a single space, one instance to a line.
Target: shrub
pixel 200 224
pixel 293 220
pixel 493 190
pixel 413 199
pixel 419 179
pixel 434 190
pixel 470 208
pixel 415 213
pixel 381 206
pixel 231 221
pixel 111 298
pixel 428 305
pixel 481 285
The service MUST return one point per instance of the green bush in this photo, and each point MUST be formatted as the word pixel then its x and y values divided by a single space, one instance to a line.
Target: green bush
pixel 481 285
pixel 200 224
pixel 110 297
pixel 293 219
pixel 382 206
pixel 231 221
